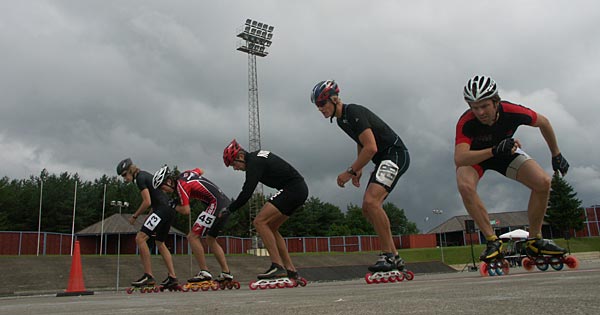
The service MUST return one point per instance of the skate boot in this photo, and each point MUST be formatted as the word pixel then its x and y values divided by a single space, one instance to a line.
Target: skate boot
pixel 275 271
pixel 400 264
pixel 493 249
pixel 296 279
pixel 225 281
pixel 203 275
pixel 540 246
pixel 386 262
pixel 145 280
pixel 224 276
pixel 170 284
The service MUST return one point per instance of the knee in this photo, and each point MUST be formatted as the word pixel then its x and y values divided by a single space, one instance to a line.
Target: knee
pixel 141 238
pixel 369 205
pixel 544 184
pixel 466 189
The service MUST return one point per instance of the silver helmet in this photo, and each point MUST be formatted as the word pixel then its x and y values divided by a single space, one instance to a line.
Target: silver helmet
pixel 479 88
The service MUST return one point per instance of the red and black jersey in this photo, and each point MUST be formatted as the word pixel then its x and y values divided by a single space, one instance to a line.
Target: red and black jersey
pixel 191 184
pixel 479 136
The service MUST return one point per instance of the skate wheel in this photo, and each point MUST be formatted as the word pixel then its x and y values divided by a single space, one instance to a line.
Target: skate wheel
pixel 129 290
pixel 302 282
pixel 572 262
pixel 384 280
pixel 527 263
pixel 400 277
pixel 541 264
pixel 215 286
pixel 263 286
pixel 556 263
pixel 505 266
pixel 281 285
pixel 253 285
pixel 368 278
pixel 483 269
pixel 236 285
pixel 272 285
pixel 194 289
pixel 392 279
pixel 409 275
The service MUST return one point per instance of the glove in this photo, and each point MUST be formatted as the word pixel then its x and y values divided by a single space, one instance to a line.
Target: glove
pixel 559 163
pixel 173 203
pixel 224 214
pixel 504 148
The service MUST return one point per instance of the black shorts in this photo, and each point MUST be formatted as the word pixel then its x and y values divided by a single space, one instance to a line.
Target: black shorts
pixel 507 166
pixel 159 223
pixel 290 198
pixel 392 164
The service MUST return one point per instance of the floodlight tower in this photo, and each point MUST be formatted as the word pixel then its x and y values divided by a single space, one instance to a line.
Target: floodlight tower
pixel 256 37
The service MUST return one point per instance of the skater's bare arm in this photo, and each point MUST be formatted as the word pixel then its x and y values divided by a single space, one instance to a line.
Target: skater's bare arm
pixel 463 156
pixel 146 203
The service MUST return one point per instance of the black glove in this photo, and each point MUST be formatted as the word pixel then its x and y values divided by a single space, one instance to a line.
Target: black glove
pixel 173 203
pixel 224 214
pixel 559 163
pixel 504 148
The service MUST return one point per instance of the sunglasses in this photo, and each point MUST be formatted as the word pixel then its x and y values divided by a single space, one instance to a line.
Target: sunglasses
pixel 321 103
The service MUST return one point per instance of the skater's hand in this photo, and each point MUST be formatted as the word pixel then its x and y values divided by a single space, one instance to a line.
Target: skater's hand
pixel 356 179
pixel 132 219
pixel 343 178
pixel 173 203
pixel 506 147
pixel 559 163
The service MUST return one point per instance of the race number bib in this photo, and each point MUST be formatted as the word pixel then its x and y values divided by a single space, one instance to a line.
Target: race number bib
pixel 386 173
pixel 152 221
pixel 205 219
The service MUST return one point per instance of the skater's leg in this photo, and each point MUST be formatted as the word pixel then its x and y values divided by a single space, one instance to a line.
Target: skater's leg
pixel 281 246
pixel 533 176
pixel 141 238
pixel 197 250
pixel 167 258
pixel 373 210
pixel 467 179
pixel 218 252
pixel 268 213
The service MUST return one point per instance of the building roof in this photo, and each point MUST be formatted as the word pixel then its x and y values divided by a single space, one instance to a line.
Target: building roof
pixel 513 219
pixel 119 224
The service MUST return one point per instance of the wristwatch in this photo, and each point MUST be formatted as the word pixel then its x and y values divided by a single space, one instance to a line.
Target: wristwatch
pixel 351 171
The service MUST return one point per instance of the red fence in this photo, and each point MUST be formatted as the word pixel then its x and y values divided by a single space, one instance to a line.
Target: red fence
pixel 25 243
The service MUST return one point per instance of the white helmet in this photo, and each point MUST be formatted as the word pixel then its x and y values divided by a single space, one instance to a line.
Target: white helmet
pixel 479 88
pixel 160 176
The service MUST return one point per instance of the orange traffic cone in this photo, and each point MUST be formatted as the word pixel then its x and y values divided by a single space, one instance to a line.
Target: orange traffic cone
pixel 75 286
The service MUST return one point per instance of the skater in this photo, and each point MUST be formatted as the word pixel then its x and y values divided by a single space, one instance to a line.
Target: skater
pixel 377 142
pixel 484 141
pixel 192 185
pixel 271 170
pixel 159 222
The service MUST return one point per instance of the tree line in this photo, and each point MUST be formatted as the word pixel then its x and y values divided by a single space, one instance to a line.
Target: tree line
pixel 20 207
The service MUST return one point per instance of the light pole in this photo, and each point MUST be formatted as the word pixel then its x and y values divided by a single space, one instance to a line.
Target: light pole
pixel 256 38
pixel 120 204
pixel 438 211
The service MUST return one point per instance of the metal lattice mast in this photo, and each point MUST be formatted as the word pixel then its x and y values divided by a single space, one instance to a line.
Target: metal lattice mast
pixel 256 38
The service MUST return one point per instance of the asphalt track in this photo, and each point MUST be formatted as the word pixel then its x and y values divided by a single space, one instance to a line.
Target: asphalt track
pixel 521 292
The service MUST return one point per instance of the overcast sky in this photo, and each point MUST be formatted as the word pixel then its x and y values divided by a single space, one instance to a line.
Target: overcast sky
pixel 84 84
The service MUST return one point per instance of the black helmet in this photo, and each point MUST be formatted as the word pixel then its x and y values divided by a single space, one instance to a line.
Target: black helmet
pixel 123 166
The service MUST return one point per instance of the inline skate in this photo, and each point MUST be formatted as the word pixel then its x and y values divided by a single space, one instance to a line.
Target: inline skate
pixel 493 262
pixel 543 254
pixel 388 268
